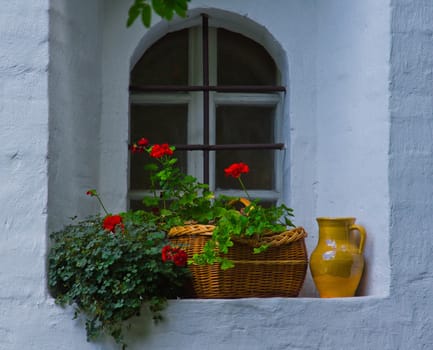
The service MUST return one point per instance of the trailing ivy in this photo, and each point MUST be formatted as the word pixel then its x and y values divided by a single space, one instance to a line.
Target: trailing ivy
pixel 109 276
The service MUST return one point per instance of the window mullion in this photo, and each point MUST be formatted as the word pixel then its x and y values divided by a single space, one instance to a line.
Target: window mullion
pixel 212 106
pixel 205 60
pixel 195 108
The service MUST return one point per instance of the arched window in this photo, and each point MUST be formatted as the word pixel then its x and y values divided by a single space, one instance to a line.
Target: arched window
pixel 215 95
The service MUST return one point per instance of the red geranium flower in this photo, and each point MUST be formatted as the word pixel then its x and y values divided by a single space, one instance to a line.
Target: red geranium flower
pixel 166 253
pixel 111 221
pixel 180 258
pixel 177 255
pixel 236 169
pixel 143 142
pixel 159 151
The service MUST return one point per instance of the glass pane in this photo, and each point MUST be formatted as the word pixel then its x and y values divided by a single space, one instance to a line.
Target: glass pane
pixel 242 61
pixel 136 205
pixel 159 124
pixel 240 124
pixel 164 63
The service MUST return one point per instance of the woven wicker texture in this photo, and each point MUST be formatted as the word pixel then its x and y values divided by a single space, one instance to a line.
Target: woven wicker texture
pixel 277 272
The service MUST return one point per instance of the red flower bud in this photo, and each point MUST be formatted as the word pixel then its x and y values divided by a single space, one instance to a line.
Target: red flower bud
pixel 91 193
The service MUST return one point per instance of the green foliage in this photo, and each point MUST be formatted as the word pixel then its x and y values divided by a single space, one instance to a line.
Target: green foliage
pixel 109 276
pixel 180 197
pixel 251 222
pixel 164 8
pixel 183 199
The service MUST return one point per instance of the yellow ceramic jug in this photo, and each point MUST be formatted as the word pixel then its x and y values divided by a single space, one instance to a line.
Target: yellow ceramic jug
pixel 336 264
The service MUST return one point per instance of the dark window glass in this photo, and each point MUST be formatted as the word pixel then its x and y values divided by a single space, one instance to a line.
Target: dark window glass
pixel 159 124
pixel 243 124
pixel 242 61
pixel 164 63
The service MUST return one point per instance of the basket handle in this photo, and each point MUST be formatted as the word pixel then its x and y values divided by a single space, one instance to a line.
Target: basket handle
pixel 274 239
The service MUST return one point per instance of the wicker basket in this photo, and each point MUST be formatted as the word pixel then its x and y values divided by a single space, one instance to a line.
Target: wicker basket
pixel 277 272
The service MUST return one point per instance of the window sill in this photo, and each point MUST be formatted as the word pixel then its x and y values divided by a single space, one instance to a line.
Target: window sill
pixel 253 323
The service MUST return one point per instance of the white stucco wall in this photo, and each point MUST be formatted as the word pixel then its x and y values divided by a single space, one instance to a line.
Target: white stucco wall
pixel 353 125
pixel 23 166
pixel 39 67
pixel 75 107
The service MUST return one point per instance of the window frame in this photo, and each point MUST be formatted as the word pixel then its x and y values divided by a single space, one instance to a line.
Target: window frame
pixel 204 40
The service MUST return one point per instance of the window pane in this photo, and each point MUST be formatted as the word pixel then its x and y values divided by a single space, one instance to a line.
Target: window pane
pixel 160 124
pixel 242 61
pixel 164 63
pixel 136 205
pixel 240 124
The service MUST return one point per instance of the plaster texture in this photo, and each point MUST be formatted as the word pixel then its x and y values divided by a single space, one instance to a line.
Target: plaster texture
pixel 75 107
pixel 359 102
pixel 353 125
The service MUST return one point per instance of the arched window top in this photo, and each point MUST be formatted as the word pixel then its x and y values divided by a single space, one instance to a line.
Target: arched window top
pixel 165 62
pixel 242 61
pixel 239 61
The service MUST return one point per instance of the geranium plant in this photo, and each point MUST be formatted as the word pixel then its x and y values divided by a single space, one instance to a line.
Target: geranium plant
pixel 178 198
pixel 109 267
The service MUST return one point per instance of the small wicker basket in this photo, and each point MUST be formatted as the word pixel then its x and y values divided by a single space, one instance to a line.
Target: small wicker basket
pixel 277 272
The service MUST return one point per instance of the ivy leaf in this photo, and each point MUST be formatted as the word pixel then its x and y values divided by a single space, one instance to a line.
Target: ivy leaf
pixel 108 277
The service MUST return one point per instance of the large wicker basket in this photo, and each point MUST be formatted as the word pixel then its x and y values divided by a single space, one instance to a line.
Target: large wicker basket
pixel 277 272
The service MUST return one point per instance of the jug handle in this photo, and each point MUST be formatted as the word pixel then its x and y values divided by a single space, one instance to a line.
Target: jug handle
pixel 363 235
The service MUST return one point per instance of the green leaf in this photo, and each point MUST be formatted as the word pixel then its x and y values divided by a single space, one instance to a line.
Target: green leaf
pixel 150 201
pixel 146 15
pixel 226 264
pixel 151 167
pixel 159 8
pixel 181 7
pixel 260 249
pixel 165 212
pixel 133 14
